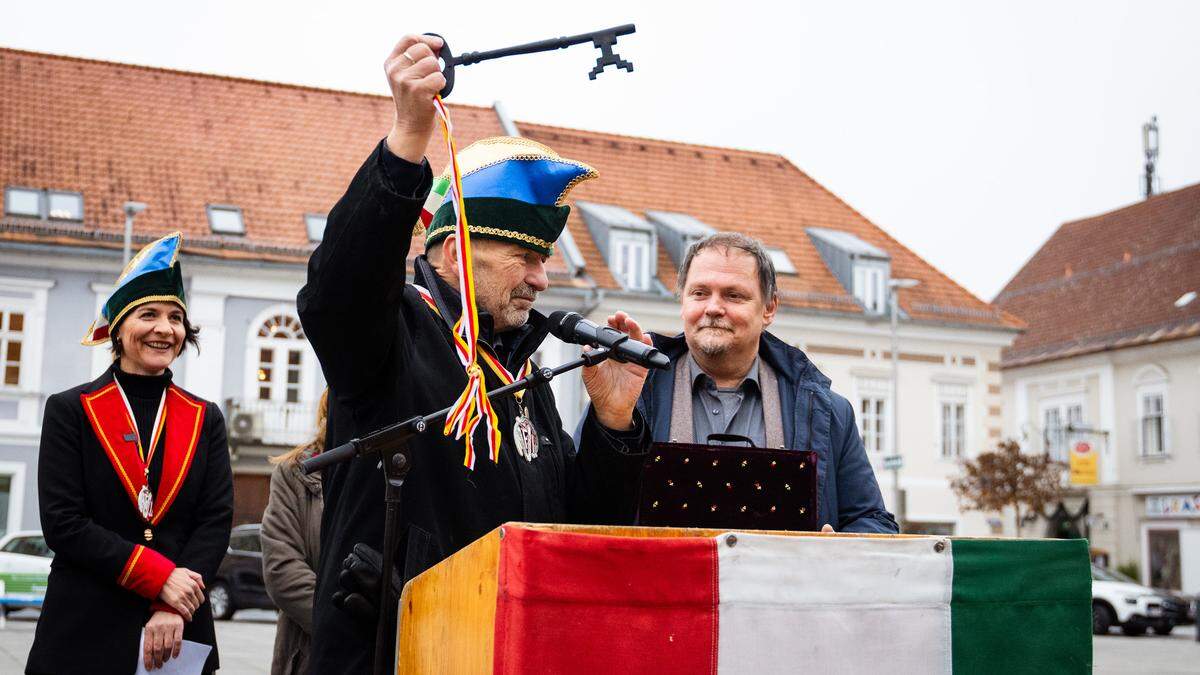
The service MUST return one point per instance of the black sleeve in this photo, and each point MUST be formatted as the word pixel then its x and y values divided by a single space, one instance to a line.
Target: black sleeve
pixel 350 303
pixel 62 497
pixel 603 478
pixel 209 539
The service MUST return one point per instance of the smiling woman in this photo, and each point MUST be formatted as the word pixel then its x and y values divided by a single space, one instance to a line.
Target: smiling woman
pixel 135 489
pixel 152 336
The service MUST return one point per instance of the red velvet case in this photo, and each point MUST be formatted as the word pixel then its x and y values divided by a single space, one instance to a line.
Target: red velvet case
pixel 722 486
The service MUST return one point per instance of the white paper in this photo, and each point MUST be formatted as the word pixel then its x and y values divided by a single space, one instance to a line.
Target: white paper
pixel 190 661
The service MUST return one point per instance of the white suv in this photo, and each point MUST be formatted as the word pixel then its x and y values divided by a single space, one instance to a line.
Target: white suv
pixel 1118 601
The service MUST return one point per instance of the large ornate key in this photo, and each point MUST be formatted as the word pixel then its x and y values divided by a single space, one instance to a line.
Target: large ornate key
pixel 601 39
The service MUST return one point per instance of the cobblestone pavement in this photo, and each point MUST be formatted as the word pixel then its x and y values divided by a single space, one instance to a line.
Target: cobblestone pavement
pixel 247 641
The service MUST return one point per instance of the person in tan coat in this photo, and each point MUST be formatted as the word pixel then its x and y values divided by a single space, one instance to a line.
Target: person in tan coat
pixel 291 537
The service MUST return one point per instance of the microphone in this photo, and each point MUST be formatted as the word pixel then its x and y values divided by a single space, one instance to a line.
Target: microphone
pixel 572 327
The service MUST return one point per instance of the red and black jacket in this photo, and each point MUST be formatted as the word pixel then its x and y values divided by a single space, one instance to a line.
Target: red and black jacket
pixel 106 577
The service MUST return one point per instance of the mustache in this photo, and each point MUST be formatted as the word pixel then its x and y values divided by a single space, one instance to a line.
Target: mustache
pixel 523 292
pixel 708 323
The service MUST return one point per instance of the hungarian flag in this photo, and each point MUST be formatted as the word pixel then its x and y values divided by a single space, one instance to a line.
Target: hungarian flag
pixel 437 194
pixel 754 603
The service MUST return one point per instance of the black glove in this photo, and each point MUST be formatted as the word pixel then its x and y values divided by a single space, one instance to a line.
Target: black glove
pixel 358 584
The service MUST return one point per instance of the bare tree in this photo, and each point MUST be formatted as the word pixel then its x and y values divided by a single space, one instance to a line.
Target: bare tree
pixel 1007 477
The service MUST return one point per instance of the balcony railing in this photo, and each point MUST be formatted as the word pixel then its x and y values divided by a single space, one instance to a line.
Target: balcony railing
pixel 270 422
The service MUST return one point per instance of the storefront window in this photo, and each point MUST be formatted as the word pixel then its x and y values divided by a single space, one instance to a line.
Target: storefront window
pixel 1164 558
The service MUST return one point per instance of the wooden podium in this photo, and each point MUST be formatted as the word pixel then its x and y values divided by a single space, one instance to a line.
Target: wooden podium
pixel 590 599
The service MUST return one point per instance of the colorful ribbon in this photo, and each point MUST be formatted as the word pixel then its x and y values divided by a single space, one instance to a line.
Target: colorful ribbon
pixel 491 360
pixel 473 405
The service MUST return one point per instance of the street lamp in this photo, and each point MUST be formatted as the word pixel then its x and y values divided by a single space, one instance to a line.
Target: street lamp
pixel 131 210
pixel 896 458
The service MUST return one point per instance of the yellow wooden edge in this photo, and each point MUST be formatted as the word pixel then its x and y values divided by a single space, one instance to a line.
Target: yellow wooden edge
pixel 448 613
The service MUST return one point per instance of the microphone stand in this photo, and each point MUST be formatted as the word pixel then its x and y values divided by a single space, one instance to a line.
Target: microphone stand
pixel 390 446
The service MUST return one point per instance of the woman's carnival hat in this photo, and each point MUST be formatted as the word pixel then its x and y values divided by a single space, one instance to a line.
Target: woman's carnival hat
pixel 514 189
pixel 153 275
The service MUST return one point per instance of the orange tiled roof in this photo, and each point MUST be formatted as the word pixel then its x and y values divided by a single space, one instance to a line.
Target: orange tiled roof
pixel 760 194
pixel 180 141
pixel 1110 281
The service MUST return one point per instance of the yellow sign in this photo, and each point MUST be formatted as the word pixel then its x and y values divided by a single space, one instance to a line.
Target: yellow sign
pixel 1085 468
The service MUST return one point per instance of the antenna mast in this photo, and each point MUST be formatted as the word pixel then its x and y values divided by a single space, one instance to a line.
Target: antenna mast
pixel 1150 147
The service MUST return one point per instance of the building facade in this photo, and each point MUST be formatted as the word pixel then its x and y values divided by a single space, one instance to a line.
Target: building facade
pixel 1110 364
pixel 248 171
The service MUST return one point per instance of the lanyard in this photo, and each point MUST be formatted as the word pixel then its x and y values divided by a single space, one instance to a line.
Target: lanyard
pixel 494 363
pixel 159 419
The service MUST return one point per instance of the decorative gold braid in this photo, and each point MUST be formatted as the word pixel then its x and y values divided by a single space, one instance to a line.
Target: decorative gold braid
pixel 141 301
pixel 495 232
pixel 141 255
pixel 524 143
pixel 591 173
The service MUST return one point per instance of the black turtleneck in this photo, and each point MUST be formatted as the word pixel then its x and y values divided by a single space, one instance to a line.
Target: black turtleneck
pixel 145 393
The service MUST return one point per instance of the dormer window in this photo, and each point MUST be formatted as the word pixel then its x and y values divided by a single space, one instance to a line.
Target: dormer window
pixel 863 269
pixel 570 252
pixel 64 205
pixel 779 258
pixel 51 204
pixel 870 286
pixel 20 201
pixel 315 224
pixel 678 232
pixel 627 242
pixel 629 258
pixel 225 219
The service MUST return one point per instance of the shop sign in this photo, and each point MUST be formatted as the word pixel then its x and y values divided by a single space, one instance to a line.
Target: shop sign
pixel 1084 464
pixel 1178 506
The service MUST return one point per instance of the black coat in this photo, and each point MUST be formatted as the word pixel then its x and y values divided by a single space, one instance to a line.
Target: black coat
pixel 387 356
pixel 105 575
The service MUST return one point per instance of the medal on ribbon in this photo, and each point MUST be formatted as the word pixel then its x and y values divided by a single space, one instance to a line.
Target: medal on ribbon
pixel 525 436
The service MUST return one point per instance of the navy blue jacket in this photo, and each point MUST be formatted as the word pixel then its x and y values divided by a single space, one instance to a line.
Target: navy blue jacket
pixel 848 496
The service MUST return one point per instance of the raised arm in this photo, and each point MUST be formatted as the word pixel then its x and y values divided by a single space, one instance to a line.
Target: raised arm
pixel 350 303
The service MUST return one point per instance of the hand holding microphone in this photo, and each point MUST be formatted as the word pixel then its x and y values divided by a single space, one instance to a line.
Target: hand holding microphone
pixel 573 328
pixel 615 384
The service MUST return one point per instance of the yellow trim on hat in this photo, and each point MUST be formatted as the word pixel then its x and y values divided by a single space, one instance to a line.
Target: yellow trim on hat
pixel 497 149
pixel 146 251
pixel 121 315
pixel 495 232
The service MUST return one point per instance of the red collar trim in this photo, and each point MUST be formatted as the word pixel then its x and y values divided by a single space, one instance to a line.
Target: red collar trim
pixel 111 422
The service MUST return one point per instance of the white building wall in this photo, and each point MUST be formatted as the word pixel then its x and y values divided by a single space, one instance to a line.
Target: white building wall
pixel 1109 385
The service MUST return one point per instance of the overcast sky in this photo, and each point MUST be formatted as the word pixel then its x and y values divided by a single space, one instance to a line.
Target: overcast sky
pixel 969 133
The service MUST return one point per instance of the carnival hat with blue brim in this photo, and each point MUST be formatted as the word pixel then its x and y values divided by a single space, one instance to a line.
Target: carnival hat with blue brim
pixel 153 275
pixel 514 189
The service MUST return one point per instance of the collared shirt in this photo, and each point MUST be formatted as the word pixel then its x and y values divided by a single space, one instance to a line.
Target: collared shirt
pixel 737 410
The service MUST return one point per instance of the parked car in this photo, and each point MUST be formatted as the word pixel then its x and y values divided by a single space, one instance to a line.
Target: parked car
pixel 1118 600
pixel 239 582
pixel 24 569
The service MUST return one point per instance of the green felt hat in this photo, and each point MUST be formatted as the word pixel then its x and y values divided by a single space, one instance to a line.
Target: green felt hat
pixel 153 275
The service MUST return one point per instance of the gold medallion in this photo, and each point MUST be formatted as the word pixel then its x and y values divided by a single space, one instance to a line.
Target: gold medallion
pixel 148 534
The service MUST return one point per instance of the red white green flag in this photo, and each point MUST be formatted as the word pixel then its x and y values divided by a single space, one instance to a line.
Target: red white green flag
pixel 437 195
pixel 752 603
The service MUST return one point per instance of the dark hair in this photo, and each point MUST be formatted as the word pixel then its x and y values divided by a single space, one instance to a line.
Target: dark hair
pixel 191 336
pixel 730 240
